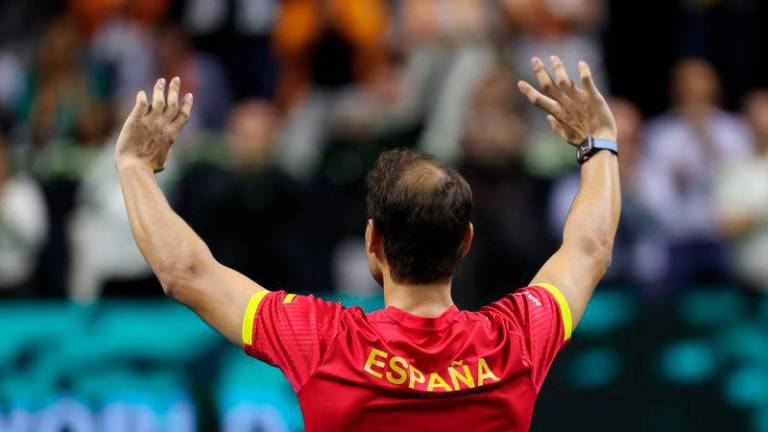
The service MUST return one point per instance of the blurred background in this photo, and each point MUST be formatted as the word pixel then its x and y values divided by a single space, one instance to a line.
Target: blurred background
pixel 294 99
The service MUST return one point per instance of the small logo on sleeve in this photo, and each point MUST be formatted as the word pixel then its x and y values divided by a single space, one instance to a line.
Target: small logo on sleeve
pixel 532 298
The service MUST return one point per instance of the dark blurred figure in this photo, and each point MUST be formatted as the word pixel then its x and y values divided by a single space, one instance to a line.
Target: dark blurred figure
pixel 64 98
pixel 239 34
pixel 23 226
pixel 328 44
pixel 65 115
pixel 449 44
pixel 92 15
pixel 742 192
pixel 326 47
pixel 511 237
pixel 638 248
pixel 242 204
pixel 383 105
pixel 200 74
pixel 684 149
pixel 729 33
pixel 569 29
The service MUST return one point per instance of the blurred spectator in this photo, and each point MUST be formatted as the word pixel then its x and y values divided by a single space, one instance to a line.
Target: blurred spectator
pixel 450 53
pixel 742 188
pixel 570 30
pixel 328 44
pixel 554 20
pixel 63 98
pixel 326 47
pixel 200 74
pixel 638 251
pixel 239 34
pixel 23 225
pixel 511 238
pixel 20 20
pixel 241 202
pixel 92 15
pixel 385 103
pixel 684 148
pixel 104 260
pixel 11 82
pixel 121 45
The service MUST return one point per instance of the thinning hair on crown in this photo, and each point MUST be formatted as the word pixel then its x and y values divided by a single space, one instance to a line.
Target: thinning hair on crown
pixel 422 209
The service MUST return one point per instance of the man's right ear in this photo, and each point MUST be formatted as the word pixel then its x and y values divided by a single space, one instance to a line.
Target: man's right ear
pixel 372 238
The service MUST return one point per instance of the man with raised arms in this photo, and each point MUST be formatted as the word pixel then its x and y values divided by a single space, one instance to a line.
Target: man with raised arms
pixel 420 364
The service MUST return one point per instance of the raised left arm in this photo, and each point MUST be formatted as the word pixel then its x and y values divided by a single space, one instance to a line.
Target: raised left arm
pixel 577 113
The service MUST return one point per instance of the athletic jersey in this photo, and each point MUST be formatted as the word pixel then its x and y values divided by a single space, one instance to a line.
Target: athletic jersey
pixel 394 371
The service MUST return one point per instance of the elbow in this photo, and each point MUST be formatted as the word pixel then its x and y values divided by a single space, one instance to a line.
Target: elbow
pixel 598 250
pixel 172 283
pixel 177 277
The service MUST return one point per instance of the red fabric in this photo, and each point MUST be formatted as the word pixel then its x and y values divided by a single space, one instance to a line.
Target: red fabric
pixel 393 371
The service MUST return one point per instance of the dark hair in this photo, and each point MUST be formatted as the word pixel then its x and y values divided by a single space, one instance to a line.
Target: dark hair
pixel 422 209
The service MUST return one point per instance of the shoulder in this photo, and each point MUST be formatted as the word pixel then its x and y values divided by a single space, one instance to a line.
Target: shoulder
pixel 532 305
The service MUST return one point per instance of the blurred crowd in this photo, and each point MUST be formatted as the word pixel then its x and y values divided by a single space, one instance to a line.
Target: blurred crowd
pixel 294 99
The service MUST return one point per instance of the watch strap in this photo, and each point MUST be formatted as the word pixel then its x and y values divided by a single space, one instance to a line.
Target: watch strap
pixel 605 144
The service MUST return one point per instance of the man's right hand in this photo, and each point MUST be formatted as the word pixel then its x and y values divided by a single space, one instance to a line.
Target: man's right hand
pixel 575 113
pixel 150 130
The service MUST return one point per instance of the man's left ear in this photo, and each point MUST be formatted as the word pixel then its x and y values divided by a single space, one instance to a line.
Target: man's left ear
pixel 468 236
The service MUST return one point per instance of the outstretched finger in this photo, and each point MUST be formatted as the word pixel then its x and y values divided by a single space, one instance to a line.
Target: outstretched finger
pixel 545 81
pixel 141 107
pixel 586 78
pixel 564 131
pixel 535 97
pixel 556 126
pixel 158 96
pixel 186 110
pixel 172 105
pixel 562 79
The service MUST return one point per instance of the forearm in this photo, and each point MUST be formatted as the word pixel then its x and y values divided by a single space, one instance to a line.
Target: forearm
pixel 173 250
pixel 590 228
pixel 591 225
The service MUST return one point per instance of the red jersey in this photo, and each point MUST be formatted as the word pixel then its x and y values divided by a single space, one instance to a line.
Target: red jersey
pixel 394 371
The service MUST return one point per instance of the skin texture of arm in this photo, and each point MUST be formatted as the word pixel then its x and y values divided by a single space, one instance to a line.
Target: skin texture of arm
pixel 181 260
pixel 576 114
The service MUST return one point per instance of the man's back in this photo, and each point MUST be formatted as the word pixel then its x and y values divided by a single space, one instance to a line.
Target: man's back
pixel 393 371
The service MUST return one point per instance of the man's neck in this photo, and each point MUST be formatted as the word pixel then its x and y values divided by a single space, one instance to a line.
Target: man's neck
pixel 427 300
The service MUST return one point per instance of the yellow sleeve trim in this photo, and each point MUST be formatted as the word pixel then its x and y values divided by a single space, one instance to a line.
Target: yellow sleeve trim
pixel 288 298
pixel 250 316
pixel 565 310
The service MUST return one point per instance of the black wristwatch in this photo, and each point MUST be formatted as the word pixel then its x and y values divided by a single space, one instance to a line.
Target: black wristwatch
pixel 592 145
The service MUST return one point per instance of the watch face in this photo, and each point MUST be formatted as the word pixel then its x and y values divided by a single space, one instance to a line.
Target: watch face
pixel 585 147
pixel 584 150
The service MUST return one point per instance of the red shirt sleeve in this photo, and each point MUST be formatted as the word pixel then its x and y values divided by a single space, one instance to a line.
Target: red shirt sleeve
pixel 291 332
pixel 540 314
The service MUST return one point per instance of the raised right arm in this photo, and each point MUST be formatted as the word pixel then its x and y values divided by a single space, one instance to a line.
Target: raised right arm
pixel 179 258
